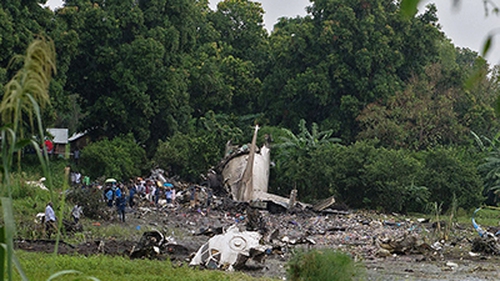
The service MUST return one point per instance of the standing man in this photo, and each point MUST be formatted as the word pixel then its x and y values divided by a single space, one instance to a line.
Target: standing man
pixel 50 219
pixel 157 194
pixel 169 193
pixel 76 155
pixel 131 194
pixel 118 191
pixel 109 193
pixel 86 181
pixel 121 202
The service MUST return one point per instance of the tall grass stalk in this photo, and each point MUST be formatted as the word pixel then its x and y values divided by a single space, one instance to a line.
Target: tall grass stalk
pixel 24 94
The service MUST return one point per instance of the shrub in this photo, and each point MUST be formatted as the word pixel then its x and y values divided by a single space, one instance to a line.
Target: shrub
pixel 322 265
pixel 189 155
pixel 449 172
pixel 91 201
pixel 120 158
pixel 364 176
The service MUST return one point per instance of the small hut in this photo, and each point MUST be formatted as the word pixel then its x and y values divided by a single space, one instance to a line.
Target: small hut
pixel 59 137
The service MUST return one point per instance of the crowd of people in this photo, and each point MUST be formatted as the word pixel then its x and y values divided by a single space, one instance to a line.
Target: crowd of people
pixel 117 196
pixel 157 192
pixel 120 195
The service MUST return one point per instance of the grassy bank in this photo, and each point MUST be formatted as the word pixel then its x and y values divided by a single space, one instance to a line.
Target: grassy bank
pixel 40 266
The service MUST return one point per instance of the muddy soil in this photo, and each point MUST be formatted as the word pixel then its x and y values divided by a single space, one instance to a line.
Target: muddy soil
pixel 353 233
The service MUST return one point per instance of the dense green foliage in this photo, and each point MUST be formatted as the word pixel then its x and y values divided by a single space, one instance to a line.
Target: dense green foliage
pixel 121 158
pixel 179 80
pixel 363 175
pixel 322 265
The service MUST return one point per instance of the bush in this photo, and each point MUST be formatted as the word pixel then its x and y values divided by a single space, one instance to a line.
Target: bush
pixel 189 155
pixel 119 158
pixel 322 265
pixel 364 176
pixel 449 172
pixel 91 201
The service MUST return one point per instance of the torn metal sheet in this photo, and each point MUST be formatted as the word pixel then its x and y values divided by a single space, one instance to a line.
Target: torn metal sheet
pixel 486 245
pixel 229 250
pixel 245 174
pixel 324 204
pixel 247 171
pixel 407 244
pixel 149 245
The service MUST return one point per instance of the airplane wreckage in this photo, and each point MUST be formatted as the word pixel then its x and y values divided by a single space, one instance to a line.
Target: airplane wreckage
pixel 244 174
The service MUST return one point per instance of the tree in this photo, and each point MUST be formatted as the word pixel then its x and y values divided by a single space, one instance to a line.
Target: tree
pixel 228 72
pixel 420 117
pixel 326 67
pixel 130 67
pixel 20 23
pixel 437 107
pixel 241 27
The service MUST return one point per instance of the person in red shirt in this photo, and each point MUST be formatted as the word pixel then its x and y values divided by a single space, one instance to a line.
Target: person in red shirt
pixel 50 146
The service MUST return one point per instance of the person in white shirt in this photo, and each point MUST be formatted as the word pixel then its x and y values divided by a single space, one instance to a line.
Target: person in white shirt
pixel 50 219
pixel 78 177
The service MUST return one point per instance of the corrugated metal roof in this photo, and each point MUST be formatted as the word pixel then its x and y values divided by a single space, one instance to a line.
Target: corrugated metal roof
pixel 60 135
pixel 76 136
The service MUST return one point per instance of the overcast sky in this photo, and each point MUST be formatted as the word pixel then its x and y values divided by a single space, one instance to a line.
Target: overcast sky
pixel 466 25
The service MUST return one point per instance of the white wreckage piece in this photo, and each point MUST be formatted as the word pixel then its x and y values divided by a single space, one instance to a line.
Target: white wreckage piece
pixel 38 183
pixel 246 176
pixel 158 175
pixel 40 218
pixel 229 250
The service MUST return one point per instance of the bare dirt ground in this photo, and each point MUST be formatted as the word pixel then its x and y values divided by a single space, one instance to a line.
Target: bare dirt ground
pixel 357 233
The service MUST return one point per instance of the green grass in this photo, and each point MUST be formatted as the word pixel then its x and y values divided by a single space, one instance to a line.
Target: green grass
pixel 40 266
pixel 485 217
pixel 323 265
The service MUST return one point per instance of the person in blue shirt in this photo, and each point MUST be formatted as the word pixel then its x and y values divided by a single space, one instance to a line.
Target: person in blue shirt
pixel 131 194
pixel 121 202
pixel 109 197
pixel 118 191
pixel 169 192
